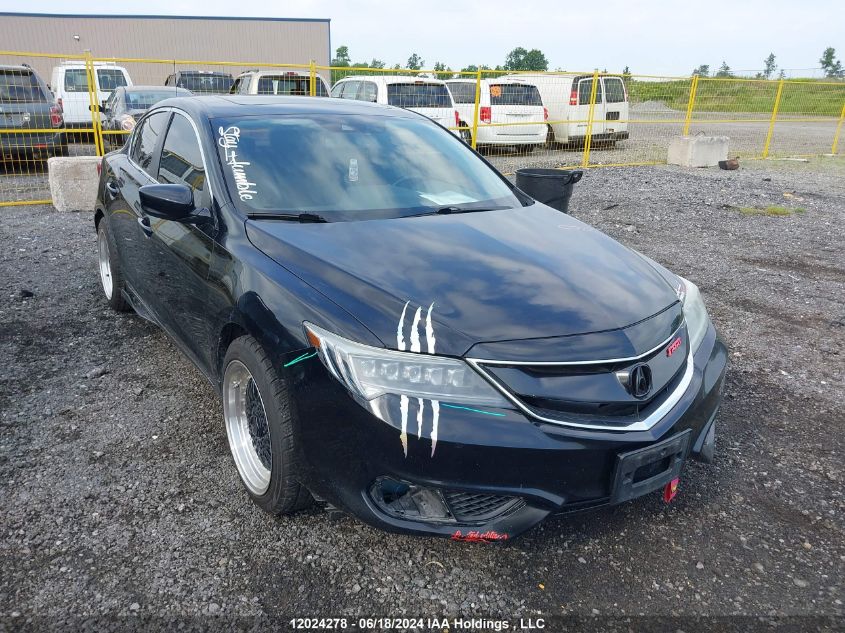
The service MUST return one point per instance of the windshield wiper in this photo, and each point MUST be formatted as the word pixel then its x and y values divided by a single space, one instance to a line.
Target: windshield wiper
pixel 451 209
pixel 290 217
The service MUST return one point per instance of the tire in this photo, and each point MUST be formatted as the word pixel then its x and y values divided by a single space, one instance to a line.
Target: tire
pixel 258 412
pixel 111 275
pixel 466 134
pixel 550 138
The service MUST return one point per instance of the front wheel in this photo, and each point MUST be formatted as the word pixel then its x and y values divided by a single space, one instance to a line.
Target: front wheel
pixel 258 412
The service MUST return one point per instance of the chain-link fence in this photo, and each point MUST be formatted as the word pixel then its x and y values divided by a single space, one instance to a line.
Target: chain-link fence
pixel 88 105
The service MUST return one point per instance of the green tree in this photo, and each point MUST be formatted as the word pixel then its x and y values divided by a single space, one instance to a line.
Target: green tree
pixel 522 59
pixel 724 70
pixel 415 62
pixel 831 66
pixel 341 56
pixel 770 66
pixel 702 71
pixel 376 63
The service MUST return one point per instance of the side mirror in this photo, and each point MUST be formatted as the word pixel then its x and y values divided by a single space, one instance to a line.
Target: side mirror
pixel 170 202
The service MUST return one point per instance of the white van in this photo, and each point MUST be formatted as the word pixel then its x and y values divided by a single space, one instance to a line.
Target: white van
pixel 69 83
pixel 429 97
pixel 277 82
pixel 567 98
pixel 504 100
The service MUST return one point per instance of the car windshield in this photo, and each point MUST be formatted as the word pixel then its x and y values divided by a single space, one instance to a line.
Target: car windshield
pixel 353 167
pixel 514 94
pixel 20 86
pixel 418 94
pixel 145 99
pixel 209 83
pixel 110 78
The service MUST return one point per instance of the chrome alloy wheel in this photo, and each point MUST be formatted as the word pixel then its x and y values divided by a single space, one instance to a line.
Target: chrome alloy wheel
pixel 247 427
pixel 105 263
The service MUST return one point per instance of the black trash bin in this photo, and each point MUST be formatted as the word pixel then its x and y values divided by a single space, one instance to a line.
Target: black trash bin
pixel 549 186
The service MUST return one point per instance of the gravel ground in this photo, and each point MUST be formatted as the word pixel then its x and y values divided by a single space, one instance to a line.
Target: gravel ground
pixel 119 496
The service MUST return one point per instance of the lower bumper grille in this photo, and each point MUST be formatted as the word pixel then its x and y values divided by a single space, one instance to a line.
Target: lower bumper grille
pixel 470 507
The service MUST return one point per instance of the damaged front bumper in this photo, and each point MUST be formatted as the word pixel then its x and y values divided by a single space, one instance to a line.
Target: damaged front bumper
pixel 487 475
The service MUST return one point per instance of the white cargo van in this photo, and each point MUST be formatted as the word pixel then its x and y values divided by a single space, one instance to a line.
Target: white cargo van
pixel 429 97
pixel 69 83
pixel 567 98
pixel 505 100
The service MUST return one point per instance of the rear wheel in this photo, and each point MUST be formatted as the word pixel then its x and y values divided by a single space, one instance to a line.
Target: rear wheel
pixel 111 275
pixel 258 412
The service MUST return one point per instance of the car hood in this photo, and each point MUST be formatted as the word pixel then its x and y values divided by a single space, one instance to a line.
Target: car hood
pixel 516 274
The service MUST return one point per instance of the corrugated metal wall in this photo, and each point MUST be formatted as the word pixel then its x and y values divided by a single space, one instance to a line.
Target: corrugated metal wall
pixel 252 41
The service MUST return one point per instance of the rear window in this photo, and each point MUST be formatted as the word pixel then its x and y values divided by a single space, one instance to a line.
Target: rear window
pixel 289 85
pixel 76 80
pixel 462 92
pixel 418 95
pixel 585 87
pixel 20 86
pixel 210 83
pixel 514 94
pixel 145 100
pixel 110 78
pixel 615 92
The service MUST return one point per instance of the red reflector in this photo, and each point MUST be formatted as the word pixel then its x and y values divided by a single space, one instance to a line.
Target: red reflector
pixel 671 490
pixel 457 119
pixel 486 114
pixel 545 114
pixel 40 146
pixel 99 168
pixel 573 97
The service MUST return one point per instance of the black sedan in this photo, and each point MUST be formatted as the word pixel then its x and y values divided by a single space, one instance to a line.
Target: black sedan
pixel 395 329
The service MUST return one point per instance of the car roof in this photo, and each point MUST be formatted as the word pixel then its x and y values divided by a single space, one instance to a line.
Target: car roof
pixel 137 88
pixel 213 106
pixel 20 68
pixel 276 71
pixel 393 79
pixel 203 72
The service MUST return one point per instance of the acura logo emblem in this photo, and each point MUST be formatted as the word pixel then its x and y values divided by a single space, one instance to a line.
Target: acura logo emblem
pixel 637 381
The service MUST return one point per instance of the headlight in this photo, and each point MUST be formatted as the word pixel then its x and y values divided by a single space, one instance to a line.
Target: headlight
pixel 371 372
pixel 694 312
pixel 127 123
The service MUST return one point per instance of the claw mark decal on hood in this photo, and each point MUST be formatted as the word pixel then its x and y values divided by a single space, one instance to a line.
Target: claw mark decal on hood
pixel 416 346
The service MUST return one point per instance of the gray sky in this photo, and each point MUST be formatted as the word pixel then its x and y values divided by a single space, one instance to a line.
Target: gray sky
pixel 656 37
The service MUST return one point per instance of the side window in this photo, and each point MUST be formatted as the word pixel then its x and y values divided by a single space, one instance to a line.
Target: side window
pixel 367 91
pixel 320 91
pixel 235 87
pixel 76 80
pixel 181 160
pixel 169 80
pixel 146 139
pixel 337 90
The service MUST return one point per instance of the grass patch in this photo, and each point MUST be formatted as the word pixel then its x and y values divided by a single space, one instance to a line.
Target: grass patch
pixel 771 211
pixel 757 96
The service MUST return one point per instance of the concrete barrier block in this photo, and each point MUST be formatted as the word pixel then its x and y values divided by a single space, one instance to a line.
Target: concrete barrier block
pixel 73 182
pixel 697 151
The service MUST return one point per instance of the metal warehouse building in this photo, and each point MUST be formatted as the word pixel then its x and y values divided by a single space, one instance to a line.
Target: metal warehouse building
pixel 253 41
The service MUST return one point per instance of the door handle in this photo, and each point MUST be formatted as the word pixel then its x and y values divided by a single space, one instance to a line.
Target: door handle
pixel 144 221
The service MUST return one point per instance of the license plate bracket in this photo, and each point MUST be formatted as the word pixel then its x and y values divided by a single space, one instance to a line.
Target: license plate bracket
pixel 662 462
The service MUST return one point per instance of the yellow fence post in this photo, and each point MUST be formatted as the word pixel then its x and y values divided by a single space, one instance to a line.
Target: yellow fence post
pixel 585 161
pixel 313 72
pixel 692 90
pixel 835 145
pixel 773 119
pixel 93 104
pixel 475 112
